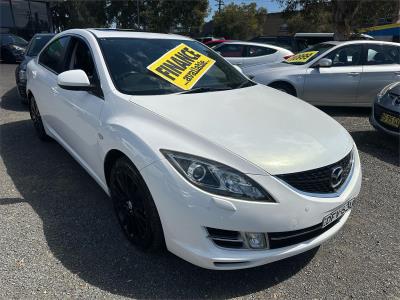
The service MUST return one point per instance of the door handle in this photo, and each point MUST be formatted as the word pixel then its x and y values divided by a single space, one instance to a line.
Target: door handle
pixel 397 72
pixel 353 73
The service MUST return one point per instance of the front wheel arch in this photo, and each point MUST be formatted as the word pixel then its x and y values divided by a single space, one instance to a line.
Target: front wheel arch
pixel 284 86
pixel 111 157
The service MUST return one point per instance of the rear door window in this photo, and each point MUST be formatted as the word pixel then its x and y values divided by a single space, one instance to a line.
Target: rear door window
pixel 254 51
pixel 231 50
pixel 382 54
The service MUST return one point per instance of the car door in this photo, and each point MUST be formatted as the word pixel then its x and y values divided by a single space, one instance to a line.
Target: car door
pixel 338 84
pixel 51 62
pixel 80 110
pixel 232 52
pixel 256 55
pixel 381 67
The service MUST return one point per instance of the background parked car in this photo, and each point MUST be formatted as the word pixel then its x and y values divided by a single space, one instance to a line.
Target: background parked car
pixel 205 39
pixel 313 38
pixel 290 43
pixel 35 45
pixel 213 43
pixel 335 73
pixel 246 54
pixel 386 110
pixel 12 47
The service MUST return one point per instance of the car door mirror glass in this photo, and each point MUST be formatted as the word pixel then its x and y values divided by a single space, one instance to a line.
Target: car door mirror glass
pixel 324 63
pixel 75 80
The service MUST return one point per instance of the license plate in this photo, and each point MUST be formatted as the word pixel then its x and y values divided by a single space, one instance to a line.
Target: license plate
pixel 390 120
pixel 337 213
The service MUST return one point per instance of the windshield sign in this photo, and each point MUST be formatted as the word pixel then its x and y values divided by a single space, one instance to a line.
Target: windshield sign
pixel 302 57
pixel 309 54
pixel 182 66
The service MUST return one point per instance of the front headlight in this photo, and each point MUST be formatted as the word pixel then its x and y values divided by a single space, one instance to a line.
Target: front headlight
pixel 17 48
pixel 216 178
pixel 386 89
pixel 22 75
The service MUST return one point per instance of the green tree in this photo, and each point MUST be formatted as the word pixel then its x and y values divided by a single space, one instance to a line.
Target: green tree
pixel 240 21
pixel 169 15
pixel 78 14
pixel 153 15
pixel 341 16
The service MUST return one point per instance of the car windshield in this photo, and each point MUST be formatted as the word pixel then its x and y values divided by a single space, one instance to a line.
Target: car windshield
pixel 13 40
pixel 128 58
pixel 308 54
pixel 37 44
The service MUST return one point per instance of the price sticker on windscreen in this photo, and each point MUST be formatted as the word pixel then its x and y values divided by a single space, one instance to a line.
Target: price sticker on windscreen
pixel 302 57
pixel 182 66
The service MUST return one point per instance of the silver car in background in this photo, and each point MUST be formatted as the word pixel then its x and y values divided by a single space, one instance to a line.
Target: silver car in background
pixel 386 110
pixel 245 54
pixel 334 73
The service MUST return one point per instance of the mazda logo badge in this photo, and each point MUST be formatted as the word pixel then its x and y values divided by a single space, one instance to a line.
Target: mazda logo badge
pixel 336 177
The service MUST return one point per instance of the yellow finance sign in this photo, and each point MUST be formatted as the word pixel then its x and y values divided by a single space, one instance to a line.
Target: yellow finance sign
pixel 182 66
pixel 302 57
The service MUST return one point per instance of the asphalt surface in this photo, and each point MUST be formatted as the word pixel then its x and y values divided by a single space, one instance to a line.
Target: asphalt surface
pixel 59 237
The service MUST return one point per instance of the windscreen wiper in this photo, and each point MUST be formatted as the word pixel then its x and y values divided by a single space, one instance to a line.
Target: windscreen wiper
pixel 204 90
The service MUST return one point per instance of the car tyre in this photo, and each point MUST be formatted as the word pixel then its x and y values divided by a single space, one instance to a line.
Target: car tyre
pixel 134 207
pixel 37 120
pixel 284 87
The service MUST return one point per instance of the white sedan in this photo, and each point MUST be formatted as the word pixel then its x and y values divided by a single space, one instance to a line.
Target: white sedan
pixel 245 54
pixel 224 172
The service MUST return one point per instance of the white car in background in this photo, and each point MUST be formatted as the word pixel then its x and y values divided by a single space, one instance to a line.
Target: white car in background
pixel 245 54
pixel 227 174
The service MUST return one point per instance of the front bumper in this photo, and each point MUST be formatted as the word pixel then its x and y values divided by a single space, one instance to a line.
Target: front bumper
pixel 185 211
pixel 380 126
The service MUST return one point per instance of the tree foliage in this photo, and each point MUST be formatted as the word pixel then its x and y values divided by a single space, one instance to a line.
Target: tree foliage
pixel 340 16
pixel 154 15
pixel 240 21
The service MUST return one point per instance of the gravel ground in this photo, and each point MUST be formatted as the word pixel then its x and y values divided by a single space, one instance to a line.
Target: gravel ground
pixel 59 237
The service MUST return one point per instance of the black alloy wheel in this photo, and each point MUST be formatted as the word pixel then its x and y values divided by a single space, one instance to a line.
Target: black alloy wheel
pixel 134 206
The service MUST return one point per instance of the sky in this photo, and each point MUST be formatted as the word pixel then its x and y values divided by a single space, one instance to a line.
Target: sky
pixel 270 5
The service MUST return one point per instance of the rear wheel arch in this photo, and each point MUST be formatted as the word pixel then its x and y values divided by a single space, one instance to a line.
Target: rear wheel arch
pixel 284 86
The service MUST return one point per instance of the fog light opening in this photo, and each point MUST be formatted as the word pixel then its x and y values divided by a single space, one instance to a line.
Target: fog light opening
pixel 256 240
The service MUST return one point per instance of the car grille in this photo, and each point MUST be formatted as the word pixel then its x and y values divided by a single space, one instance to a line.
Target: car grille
pixel 289 238
pixel 378 111
pixel 319 181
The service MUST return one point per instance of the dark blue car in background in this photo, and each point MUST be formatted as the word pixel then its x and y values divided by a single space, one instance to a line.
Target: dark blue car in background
pixel 36 44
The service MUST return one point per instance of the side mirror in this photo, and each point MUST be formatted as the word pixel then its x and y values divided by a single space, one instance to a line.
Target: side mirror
pixel 238 68
pixel 74 80
pixel 324 63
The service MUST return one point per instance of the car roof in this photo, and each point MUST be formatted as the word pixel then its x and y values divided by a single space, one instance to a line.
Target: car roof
pixel 44 34
pixel 122 33
pixel 254 44
pixel 336 43
pixel 314 34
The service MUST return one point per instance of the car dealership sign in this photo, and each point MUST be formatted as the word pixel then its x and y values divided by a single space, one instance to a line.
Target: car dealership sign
pixel 182 66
